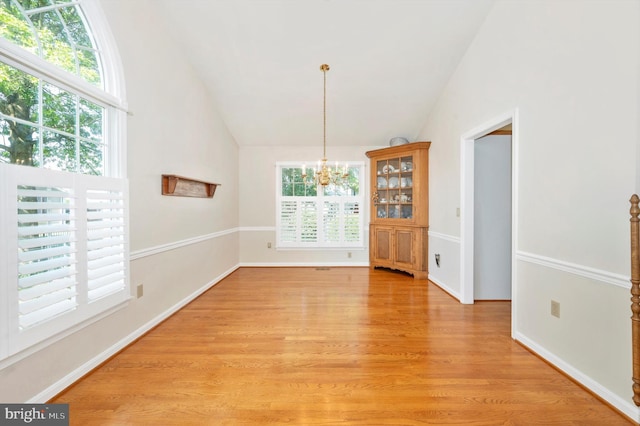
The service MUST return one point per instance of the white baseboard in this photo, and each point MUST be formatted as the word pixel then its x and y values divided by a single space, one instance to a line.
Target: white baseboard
pixel 446 288
pixel 625 407
pixel 94 362
pixel 301 264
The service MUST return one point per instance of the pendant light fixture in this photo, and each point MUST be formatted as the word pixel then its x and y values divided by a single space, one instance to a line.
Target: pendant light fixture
pixel 324 175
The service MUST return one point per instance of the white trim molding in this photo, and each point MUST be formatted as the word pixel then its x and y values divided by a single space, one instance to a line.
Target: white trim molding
pixel 445 237
pixel 138 254
pixel 623 405
pixel 573 268
pixel 302 265
pixel 444 287
pixel 41 345
pixel 447 246
pixel 467 193
pixel 257 229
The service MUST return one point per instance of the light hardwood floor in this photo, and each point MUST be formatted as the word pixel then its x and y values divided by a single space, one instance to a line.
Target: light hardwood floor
pixel 344 346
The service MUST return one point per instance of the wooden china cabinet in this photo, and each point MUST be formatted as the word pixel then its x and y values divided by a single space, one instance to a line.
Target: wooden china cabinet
pixel 400 208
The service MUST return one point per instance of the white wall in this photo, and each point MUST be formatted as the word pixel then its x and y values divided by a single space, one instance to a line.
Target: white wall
pixel 570 69
pixel 180 246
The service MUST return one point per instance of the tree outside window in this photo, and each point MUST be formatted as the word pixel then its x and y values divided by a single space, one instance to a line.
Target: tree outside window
pixel 42 124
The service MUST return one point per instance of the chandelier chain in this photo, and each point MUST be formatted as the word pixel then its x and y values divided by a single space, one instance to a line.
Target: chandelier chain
pixel 324 68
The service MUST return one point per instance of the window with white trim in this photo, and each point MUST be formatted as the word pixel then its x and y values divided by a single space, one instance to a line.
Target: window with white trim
pixel 63 193
pixel 316 216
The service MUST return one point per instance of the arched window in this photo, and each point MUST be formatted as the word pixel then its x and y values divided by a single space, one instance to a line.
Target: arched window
pixel 63 228
pixel 58 92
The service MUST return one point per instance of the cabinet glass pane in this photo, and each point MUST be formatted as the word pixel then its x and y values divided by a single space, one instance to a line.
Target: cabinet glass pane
pixel 394 184
pixel 381 211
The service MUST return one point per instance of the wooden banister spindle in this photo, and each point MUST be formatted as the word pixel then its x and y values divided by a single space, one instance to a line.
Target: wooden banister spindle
pixel 635 294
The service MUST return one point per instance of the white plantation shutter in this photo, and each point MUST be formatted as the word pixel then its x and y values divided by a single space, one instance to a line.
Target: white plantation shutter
pixel 288 221
pixel 46 253
pixel 63 252
pixel 105 243
pixel 298 218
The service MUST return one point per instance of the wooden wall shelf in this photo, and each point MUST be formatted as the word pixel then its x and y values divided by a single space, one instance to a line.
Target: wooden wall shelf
pixel 181 186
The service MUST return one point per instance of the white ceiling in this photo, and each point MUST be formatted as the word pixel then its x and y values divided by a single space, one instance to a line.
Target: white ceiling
pixel 261 60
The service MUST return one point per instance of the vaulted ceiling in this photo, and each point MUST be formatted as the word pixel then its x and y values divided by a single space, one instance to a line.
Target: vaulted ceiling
pixel 389 60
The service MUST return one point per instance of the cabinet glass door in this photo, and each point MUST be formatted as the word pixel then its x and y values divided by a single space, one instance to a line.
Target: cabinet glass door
pixel 394 188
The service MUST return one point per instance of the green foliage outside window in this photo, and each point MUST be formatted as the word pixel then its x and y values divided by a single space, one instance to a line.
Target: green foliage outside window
pixel 294 185
pixel 15 27
pixel 42 124
pixel 58 35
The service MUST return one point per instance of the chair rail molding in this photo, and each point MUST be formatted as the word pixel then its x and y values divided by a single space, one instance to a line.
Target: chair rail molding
pixel 447 237
pixel 150 251
pixel 573 268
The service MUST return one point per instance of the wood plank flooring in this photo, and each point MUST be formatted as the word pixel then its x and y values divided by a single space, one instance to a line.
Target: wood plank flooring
pixel 343 346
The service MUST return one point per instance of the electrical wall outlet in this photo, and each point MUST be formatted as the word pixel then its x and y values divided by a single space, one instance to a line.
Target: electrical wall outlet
pixel 269 245
pixel 139 291
pixel 555 309
pixel 349 255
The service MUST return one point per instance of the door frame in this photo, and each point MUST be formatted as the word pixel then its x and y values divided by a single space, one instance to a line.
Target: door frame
pixel 467 147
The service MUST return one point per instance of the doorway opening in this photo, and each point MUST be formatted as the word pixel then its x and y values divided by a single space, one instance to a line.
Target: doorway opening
pixel 488 211
pixel 492 216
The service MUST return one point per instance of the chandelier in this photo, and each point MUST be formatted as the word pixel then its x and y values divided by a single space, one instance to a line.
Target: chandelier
pixel 324 174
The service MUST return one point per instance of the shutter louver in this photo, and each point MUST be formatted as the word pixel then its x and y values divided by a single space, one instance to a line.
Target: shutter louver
pixel 352 222
pixel 105 243
pixel 288 221
pixel 331 222
pixel 46 253
pixel 308 221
